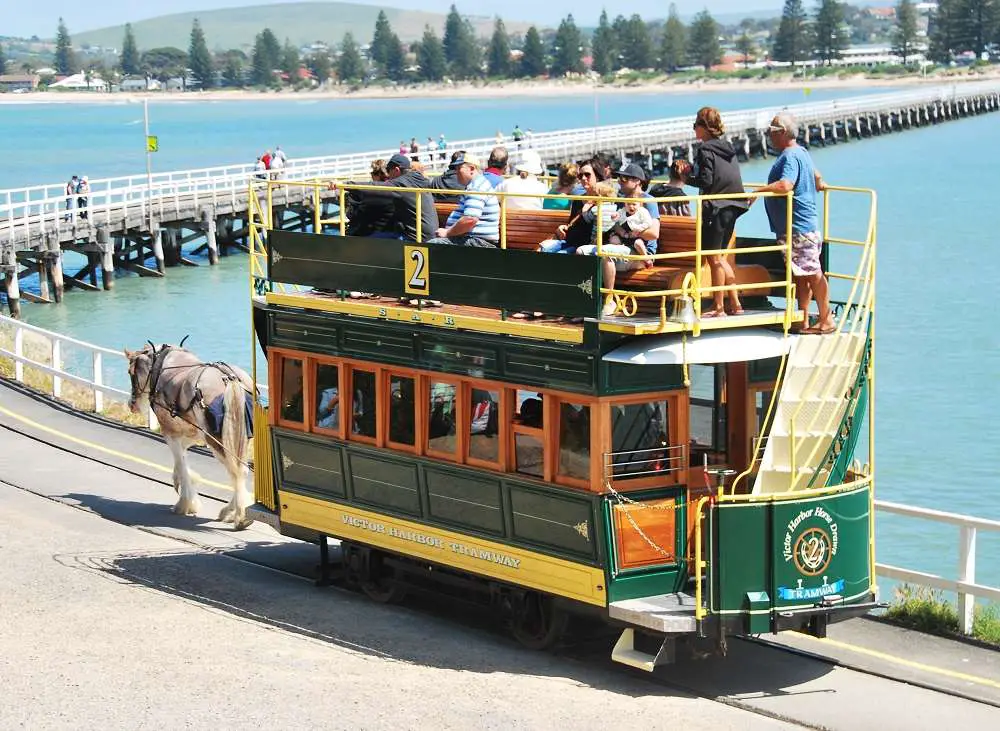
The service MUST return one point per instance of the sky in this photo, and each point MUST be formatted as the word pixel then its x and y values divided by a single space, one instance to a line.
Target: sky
pixel 41 19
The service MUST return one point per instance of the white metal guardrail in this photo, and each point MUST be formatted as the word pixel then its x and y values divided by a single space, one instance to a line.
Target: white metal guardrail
pixel 965 587
pixel 29 211
pixel 45 352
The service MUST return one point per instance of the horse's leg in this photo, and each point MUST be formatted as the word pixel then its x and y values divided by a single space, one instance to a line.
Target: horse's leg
pixel 242 496
pixel 188 503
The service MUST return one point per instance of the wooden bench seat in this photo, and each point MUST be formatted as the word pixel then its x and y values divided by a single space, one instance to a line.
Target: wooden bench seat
pixel 526 229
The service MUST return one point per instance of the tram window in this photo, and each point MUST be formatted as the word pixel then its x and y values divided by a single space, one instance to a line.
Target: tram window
pixel 529 409
pixel 484 416
pixel 529 453
pixel 402 410
pixel 291 390
pixel 574 441
pixel 441 418
pixel 327 396
pixel 363 403
pixel 640 440
pixel 762 401
pixel 708 414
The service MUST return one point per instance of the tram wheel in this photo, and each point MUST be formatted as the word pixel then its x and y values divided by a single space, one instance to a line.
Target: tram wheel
pixel 537 623
pixel 379 585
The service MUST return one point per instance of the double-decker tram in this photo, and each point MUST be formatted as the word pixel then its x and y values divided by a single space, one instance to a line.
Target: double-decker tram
pixel 685 479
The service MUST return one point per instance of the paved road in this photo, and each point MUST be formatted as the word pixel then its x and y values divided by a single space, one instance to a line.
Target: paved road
pixel 121 614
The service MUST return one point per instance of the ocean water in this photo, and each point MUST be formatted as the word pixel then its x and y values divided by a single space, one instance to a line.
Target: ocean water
pixel 938 348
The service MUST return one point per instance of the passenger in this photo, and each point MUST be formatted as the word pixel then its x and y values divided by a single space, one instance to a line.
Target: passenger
pixel 673 189
pixel 578 231
pixel 603 165
pixel 609 265
pixel 328 408
pixel 401 173
pixel 795 171
pixel 448 180
pixel 631 178
pixel 566 184
pixel 629 224
pixel 370 215
pixel 476 219
pixel 716 171
pixel 496 166
pixel 525 182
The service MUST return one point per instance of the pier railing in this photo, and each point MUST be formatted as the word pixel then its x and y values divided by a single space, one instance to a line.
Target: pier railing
pixel 965 587
pixel 29 212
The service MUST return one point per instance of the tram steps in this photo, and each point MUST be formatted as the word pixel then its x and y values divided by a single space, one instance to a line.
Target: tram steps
pixel 811 405
pixel 669 613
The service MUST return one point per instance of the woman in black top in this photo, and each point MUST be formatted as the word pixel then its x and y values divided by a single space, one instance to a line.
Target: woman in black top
pixel 372 215
pixel 579 230
pixel 716 171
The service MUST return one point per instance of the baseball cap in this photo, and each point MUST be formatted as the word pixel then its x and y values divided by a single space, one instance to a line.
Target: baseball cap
pixel 466 158
pixel 400 161
pixel 632 171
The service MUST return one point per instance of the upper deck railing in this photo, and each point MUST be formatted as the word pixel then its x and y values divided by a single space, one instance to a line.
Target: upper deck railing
pixel 26 213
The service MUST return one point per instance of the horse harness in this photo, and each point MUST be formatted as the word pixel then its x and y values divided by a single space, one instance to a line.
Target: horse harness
pixel 197 398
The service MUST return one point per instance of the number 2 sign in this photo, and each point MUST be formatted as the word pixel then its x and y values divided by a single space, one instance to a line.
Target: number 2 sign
pixel 416 270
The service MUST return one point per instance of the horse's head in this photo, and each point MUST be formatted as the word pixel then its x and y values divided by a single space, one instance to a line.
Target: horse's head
pixel 140 371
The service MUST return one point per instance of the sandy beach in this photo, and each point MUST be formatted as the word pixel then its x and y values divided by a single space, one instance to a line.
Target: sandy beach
pixel 499 89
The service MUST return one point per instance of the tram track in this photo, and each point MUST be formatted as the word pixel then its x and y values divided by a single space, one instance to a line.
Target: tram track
pixel 588 651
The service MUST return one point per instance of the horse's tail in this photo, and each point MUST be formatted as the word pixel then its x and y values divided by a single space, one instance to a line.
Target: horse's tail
pixel 234 426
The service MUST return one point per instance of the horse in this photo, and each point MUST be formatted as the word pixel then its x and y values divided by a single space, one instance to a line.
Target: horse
pixel 197 402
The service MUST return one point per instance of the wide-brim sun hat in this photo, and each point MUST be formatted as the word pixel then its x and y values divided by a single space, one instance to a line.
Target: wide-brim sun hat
pixel 531 163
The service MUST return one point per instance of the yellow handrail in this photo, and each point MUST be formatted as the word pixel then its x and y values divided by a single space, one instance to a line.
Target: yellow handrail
pixel 699 610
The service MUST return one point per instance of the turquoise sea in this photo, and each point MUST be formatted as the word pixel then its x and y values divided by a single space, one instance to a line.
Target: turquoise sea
pixel 938 347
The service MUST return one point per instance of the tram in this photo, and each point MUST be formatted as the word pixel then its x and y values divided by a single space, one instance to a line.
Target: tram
pixel 684 479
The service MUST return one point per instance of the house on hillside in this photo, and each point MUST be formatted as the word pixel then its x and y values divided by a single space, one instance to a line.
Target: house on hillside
pixel 79 82
pixel 19 83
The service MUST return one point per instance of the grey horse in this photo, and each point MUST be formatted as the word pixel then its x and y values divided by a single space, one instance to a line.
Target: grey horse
pixel 197 402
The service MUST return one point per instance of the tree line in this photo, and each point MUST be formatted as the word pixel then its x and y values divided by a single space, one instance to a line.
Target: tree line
pixel 623 43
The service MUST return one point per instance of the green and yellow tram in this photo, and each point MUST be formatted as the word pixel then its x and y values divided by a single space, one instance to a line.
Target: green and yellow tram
pixel 684 479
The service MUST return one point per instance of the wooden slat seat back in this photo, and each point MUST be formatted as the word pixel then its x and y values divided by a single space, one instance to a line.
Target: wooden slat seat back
pixel 526 229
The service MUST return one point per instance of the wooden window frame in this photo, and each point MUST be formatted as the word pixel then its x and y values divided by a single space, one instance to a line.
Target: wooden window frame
pixel 383 381
pixel 380 406
pixel 677 422
pixel 561 479
pixel 276 372
pixel 503 462
pixel 342 421
pixel 425 417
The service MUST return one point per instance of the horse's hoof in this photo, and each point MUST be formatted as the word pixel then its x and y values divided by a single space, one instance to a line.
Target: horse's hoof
pixel 227 514
pixel 243 524
pixel 187 507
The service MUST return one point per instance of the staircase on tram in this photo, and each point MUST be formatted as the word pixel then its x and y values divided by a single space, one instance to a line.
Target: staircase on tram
pixel 812 402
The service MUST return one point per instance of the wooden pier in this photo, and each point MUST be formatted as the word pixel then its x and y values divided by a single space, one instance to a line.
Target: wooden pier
pixel 141 223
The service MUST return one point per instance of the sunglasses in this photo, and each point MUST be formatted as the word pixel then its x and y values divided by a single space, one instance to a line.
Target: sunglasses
pixel 585 175
pixel 775 128
pixel 696 125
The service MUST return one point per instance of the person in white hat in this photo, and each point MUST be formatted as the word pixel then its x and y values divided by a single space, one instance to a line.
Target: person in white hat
pixel 525 182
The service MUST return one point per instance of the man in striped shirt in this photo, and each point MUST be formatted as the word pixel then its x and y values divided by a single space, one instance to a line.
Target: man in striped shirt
pixel 476 219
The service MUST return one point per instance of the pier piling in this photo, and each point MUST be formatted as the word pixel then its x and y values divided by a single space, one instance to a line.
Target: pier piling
pixel 13 292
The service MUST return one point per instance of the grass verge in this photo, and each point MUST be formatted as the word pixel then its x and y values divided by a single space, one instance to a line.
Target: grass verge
pixel 926 610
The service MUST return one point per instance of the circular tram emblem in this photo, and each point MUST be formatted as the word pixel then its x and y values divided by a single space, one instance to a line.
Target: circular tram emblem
pixel 812 553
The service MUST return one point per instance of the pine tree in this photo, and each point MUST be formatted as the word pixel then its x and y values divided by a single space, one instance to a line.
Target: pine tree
pixel 453 31
pixel 430 57
pixel 290 60
pixel 673 45
pixel 498 53
pixel 381 42
pixel 830 34
pixel 792 41
pixel 942 32
pixel 319 64
pixel 266 57
pixel 637 51
pixel 233 64
pixel 567 54
pixel 980 24
pixel 199 59
pixel 533 58
pixel 619 31
pixel 130 53
pixel 395 62
pixel 703 47
pixel 746 47
pixel 349 65
pixel 602 47
pixel 904 37
pixel 460 48
pixel 3 61
pixel 65 58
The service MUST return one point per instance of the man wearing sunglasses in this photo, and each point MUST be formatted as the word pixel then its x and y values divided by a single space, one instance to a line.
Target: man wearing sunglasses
pixel 794 171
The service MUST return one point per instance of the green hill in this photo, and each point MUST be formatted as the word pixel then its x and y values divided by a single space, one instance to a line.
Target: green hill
pixel 302 23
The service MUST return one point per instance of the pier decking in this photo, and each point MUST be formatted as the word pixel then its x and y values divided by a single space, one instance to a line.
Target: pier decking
pixel 140 223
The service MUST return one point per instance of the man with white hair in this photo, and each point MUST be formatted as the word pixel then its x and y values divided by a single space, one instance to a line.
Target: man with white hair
pixel 476 219
pixel 525 182
pixel 794 171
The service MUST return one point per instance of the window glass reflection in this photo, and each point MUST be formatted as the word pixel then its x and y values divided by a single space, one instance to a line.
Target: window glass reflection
pixel 402 404
pixel 327 396
pixel 574 441
pixel 639 439
pixel 363 406
pixel 291 390
pixel 483 424
pixel 442 417
pixel 529 452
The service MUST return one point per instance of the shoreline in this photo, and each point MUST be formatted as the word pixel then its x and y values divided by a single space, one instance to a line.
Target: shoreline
pixel 492 90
